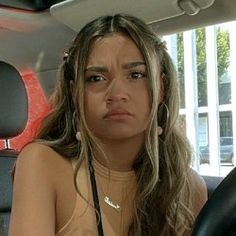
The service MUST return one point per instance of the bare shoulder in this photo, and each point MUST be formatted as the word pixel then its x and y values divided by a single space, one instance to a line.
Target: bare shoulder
pixel 36 157
pixel 39 165
pixel 36 151
pixel 199 191
pixel 35 190
pixel 197 180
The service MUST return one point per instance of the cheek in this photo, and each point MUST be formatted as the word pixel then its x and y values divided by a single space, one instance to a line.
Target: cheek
pixel 88 105
pixel 143 106
pixel 146 106
pixel 145 98
pixel 92 106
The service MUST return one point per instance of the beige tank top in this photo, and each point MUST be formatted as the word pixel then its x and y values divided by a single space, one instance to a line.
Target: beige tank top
pixel 120 187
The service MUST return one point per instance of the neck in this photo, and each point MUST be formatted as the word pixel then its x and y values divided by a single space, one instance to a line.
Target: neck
pixel 120 154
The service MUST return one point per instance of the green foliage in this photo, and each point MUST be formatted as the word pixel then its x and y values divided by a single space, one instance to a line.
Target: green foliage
pixel 222 59
pixel 180 68
pixel 223 51
pixel 201 66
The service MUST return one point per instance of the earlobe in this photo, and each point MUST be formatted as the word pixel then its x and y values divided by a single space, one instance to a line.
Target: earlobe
pixel 71 86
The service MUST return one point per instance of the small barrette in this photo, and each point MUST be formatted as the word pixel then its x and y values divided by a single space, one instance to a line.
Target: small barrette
pixel 163 45
pixel 66 56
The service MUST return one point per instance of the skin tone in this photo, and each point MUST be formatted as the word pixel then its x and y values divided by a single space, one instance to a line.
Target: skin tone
pixel 43 192
pixel 117 102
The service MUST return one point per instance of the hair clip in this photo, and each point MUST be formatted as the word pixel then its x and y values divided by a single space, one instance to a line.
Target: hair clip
pixel 163 75
pixel 65 56
pixel 163 45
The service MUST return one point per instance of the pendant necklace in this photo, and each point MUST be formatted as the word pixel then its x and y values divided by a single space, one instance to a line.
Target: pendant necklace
pixel 109 202
pixel 107 199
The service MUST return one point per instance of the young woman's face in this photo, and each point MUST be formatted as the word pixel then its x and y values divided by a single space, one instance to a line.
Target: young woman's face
pixel 117 101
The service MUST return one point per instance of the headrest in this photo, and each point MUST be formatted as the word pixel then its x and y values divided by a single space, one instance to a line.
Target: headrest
pixel 13 102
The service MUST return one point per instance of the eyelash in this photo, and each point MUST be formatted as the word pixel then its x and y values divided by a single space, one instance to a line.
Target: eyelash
pixel 132 76
pixel 92 78
pixel 140 73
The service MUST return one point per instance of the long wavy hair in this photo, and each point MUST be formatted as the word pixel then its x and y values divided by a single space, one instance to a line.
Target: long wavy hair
pixel 163 202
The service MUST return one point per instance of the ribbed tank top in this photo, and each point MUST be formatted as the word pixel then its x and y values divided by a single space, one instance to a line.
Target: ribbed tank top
pixel 120 187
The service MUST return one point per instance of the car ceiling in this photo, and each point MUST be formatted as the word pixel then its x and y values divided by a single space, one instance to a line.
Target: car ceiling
pixel 34 39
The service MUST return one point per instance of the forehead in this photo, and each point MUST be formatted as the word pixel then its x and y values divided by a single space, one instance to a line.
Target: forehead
pixel 114 45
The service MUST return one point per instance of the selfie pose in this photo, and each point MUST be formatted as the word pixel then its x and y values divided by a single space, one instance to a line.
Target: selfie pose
pixel 109 159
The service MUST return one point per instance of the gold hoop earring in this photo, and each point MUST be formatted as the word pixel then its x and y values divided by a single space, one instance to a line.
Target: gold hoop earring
pixel 74 125
pixel 163 117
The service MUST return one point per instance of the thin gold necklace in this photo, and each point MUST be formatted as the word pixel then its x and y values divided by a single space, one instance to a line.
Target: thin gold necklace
pixel 109 202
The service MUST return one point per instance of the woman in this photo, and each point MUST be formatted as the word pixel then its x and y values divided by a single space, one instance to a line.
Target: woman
pixel 109 159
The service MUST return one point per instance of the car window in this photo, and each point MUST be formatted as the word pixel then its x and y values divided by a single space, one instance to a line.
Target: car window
pixel 204 59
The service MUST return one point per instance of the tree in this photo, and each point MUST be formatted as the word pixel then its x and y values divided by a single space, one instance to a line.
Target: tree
pixel 222 37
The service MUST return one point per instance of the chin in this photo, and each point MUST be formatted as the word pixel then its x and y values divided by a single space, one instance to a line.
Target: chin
pixel 120 135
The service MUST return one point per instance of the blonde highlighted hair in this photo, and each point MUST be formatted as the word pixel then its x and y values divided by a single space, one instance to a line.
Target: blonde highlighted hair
pixel 163 199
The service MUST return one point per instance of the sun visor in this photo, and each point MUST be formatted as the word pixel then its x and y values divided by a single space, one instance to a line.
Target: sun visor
pixel 76 13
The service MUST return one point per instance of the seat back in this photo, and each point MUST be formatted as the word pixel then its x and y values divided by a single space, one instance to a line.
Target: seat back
pixel 13 119
pixel 212 183
pixel 7 160
pixel 218 216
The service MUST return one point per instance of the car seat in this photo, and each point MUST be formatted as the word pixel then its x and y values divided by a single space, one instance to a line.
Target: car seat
pixel 218 216
pixel 13 119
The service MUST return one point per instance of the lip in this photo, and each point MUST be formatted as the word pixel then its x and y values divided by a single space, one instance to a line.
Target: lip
pixel 119 114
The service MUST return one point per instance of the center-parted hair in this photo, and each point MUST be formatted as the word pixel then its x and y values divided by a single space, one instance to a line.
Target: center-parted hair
pixel 163 199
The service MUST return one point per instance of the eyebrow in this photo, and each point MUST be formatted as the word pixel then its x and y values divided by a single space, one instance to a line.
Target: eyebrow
pixel 126 66
pixel 133 64
pixel 96 69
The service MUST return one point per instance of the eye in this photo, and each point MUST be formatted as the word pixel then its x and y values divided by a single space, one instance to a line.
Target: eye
pixel 137 75
pixel 95 79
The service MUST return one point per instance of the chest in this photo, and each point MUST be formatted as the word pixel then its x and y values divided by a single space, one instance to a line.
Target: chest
pixel 115 220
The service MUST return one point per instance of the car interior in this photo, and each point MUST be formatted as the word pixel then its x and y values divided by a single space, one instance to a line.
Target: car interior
pixel 14 110
pixel 34 34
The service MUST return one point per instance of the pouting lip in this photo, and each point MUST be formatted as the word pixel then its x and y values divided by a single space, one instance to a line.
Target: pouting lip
pixel 117 112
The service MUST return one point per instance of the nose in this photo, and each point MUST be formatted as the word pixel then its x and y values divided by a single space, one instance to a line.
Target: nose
pixel 117 91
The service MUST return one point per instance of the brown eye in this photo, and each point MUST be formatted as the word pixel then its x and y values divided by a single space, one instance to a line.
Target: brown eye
pixel 137 75
pixel 95 79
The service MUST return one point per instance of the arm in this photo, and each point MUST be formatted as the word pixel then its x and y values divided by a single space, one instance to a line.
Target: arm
pixel 34 195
